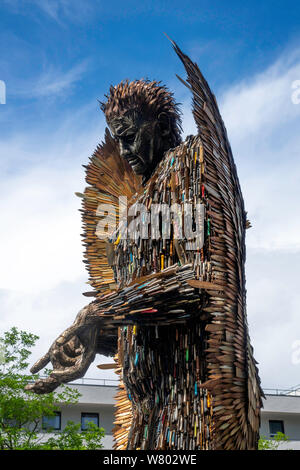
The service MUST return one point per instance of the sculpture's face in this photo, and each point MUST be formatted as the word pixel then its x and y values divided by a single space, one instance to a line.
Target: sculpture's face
pixel 142 141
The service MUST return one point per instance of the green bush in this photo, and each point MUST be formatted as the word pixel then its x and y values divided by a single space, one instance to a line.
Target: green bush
pixel 21 411
pixel 272 444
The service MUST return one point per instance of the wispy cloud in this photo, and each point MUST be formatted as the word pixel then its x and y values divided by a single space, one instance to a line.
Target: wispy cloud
pixel 58 10
pixel 52 82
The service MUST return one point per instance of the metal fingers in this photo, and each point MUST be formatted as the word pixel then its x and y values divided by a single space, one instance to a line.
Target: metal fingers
pixel 41 363
pixel 43 385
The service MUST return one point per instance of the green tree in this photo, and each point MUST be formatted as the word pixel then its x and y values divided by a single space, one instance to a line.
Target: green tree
pixel 72 438
pixel 272 444
pixel 21 411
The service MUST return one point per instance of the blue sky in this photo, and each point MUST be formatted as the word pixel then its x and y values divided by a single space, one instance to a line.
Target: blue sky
pixel 58 57
pixel 64 54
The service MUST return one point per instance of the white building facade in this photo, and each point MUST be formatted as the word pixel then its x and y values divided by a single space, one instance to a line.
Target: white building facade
pixel 280 412
pixel 96 404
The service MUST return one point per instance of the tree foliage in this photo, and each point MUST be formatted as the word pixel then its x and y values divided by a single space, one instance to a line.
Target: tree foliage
pixel 21 411
pixel 272 444
pixel 71 438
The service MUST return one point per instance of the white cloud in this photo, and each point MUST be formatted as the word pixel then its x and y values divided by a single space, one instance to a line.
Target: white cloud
pixel 60 9
pixel 41 244
pixel 273 314
pixel 52 82
pixel 42 276
pixel 263 127
pixel 263 104
pixel 39 212
pixel 57 10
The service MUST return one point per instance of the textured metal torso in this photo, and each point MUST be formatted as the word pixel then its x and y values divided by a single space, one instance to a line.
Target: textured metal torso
pixel 163 367
pixel 186 381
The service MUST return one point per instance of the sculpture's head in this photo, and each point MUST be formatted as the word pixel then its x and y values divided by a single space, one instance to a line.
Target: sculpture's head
pixel 144 118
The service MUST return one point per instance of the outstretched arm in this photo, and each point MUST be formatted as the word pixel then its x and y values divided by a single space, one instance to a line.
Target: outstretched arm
pixel 74 350
pixel 161 298
pixel 170 296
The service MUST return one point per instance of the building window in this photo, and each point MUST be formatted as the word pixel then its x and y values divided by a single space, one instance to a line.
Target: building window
pixel 52 422
pixel 276 426
pixel 89 418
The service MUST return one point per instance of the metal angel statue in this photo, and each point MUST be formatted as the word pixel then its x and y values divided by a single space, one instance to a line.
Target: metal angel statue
pixel 169 285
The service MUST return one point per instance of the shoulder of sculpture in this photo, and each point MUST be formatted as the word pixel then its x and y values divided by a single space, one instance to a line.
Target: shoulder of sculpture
pixel 170 155
pixel 191 139
pixel 189 142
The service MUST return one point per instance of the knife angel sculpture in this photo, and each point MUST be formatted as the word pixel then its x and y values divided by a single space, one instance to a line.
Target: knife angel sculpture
pixel 164 236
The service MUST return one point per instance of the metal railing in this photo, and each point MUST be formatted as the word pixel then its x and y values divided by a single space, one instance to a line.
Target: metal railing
pixel 293 391
pixel 114 382
pixel 92 381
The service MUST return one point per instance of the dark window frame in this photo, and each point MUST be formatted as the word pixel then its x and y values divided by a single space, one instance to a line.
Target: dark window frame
pixel 277 421
pixel 45 427
pixel 86 415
